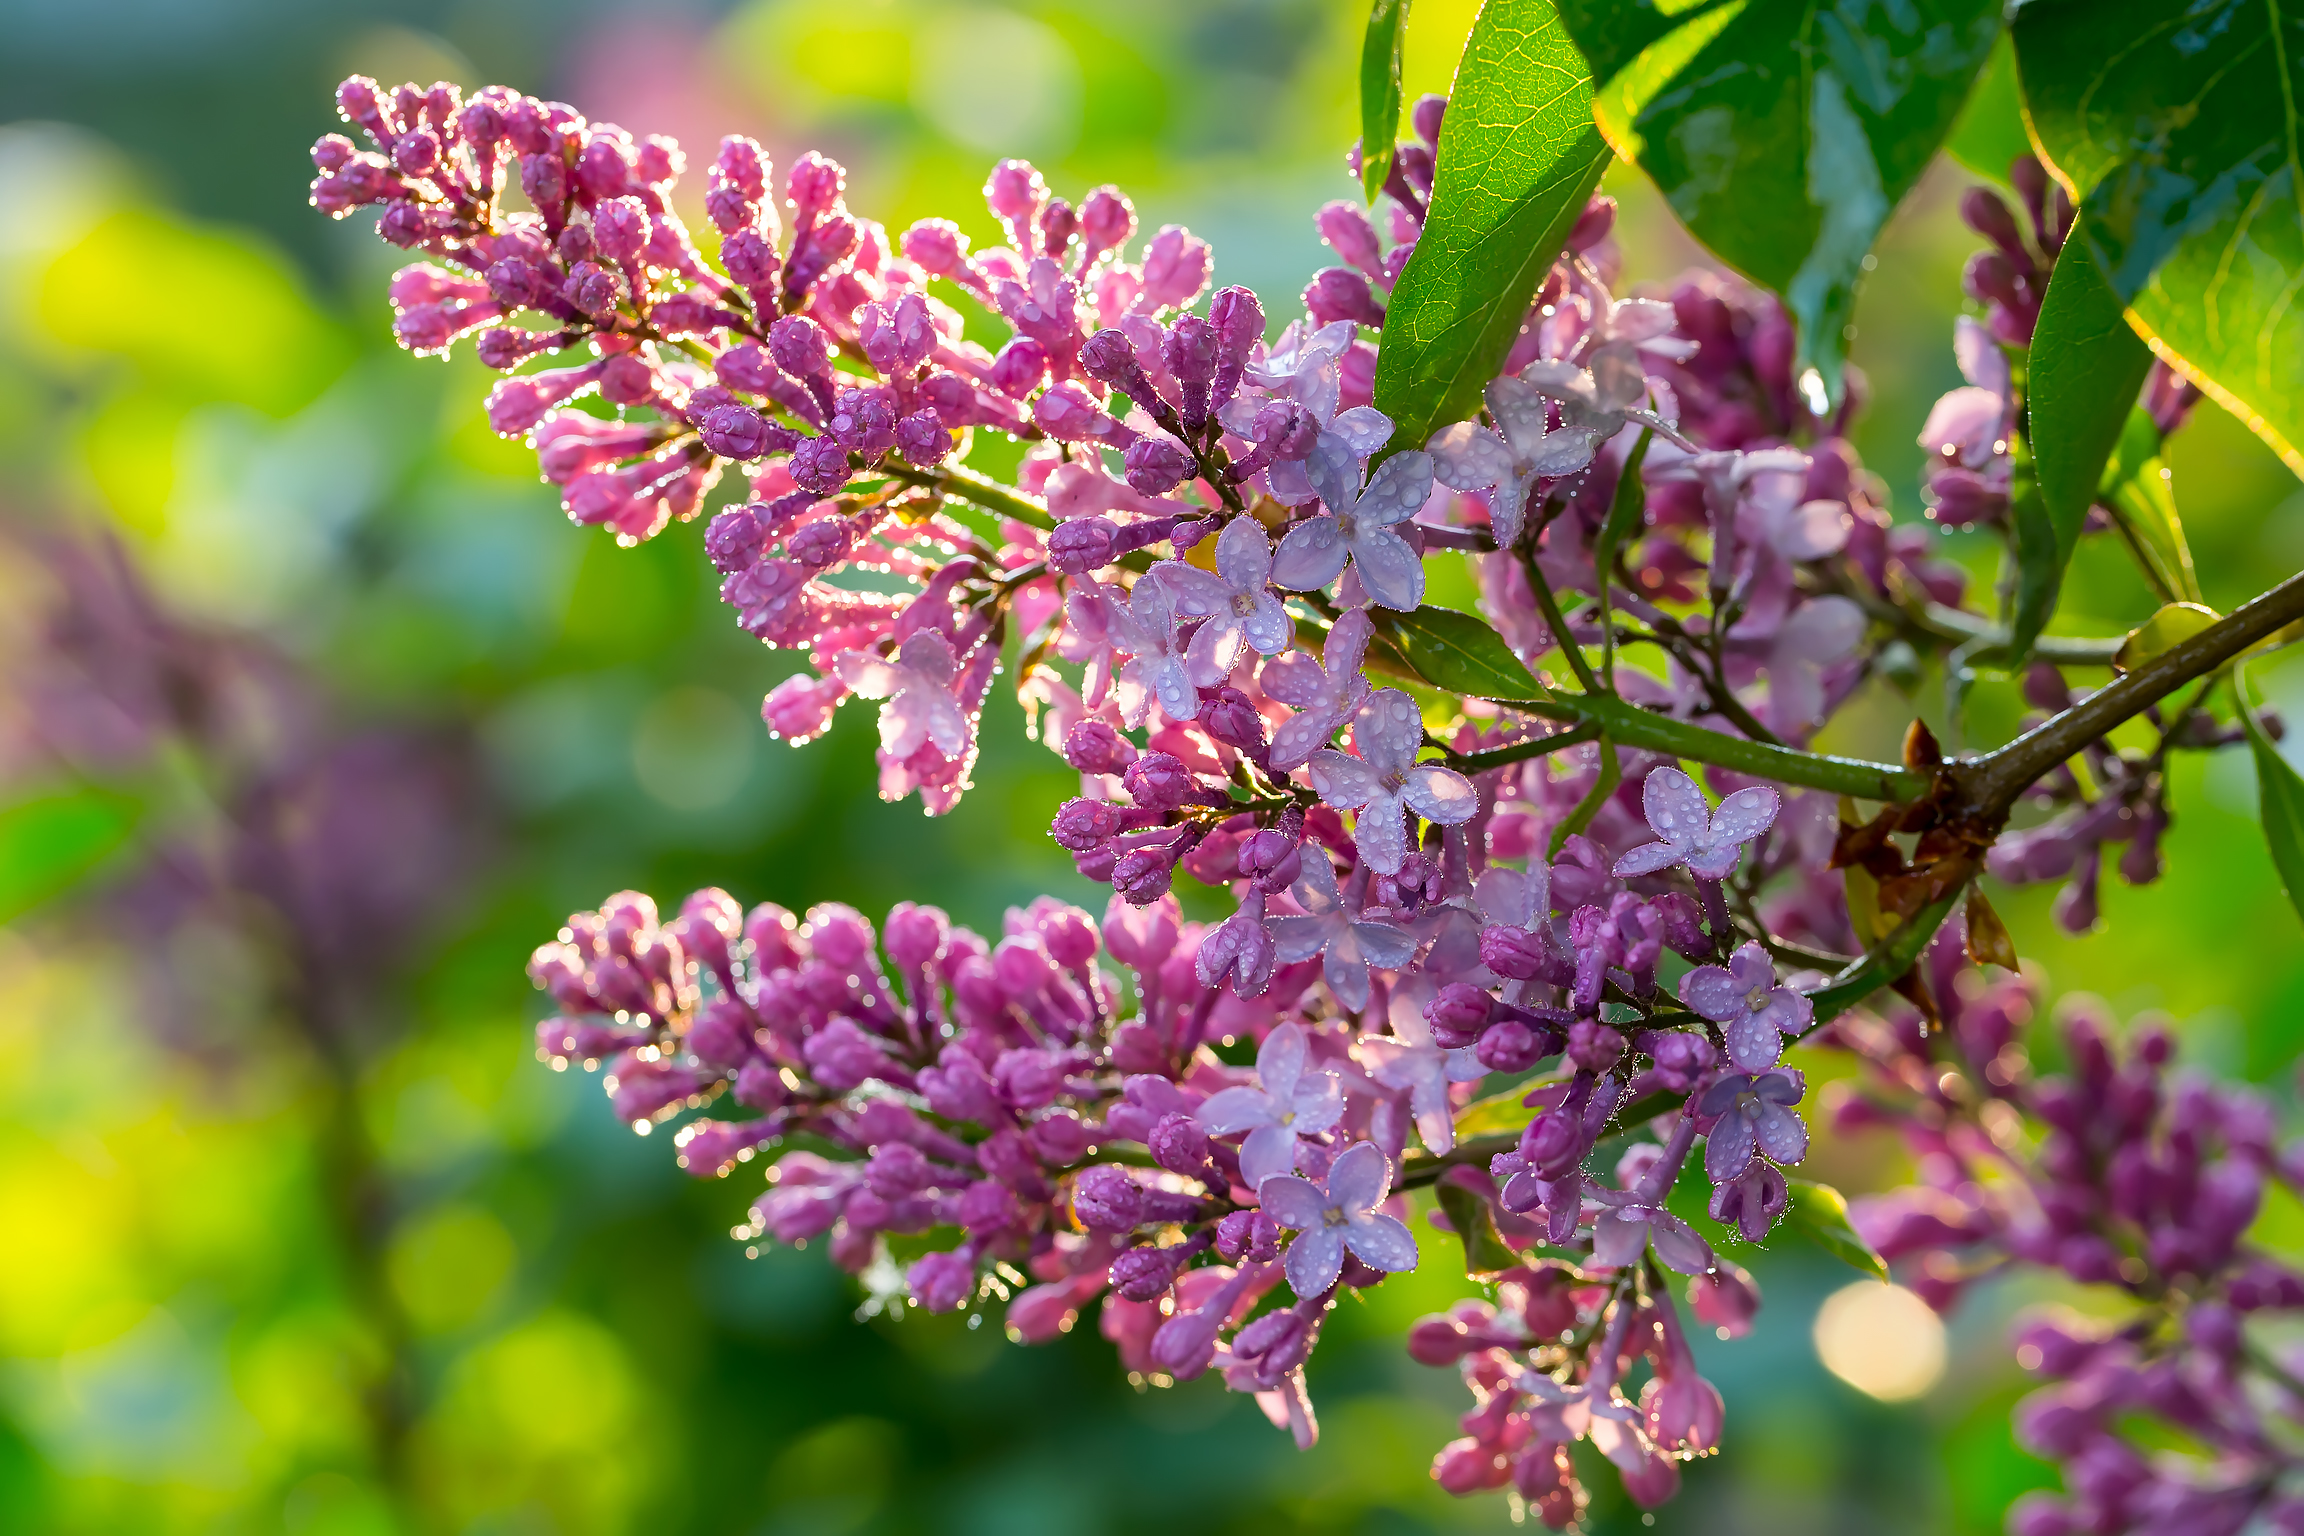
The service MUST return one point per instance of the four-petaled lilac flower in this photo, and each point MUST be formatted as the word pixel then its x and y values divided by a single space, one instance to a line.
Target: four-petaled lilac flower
pixel 918 687
pixel 1145 629
pixel 1386 779
pixel 1287 1103
pixel 1358 526
pixel 1819 633
pixel 1324 692
pixel 1412 1063
pixel 1632 1221
pixel 1511 457
pixel 1754 1114
pixel 1341 1214
pixel 1347 946
pixel 1307 367
pixel 1754 1014
pixel 1708 841
pixel 1236 599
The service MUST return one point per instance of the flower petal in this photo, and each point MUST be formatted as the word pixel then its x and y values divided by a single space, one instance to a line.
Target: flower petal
pixel 1398 489
pixel 1347 977
pixel 1381 1242
pixel 1519 405
pixel 1507 509
pixel 1712 992
pixel 1334 470
pixel 1194 592
pixel 1383 840
pixel 1392 572
pixel 1383 945
pixel 1469 457
pixel 1280 1061
pixel 1315 1259
pixel 1360 1178
pixel 1342 780
pixel 1235 1109
pixel 1647 859
pixel 1298 938
pixel 1319 1103
pixel 1268 1153
pixel 1269 628
pixel 1728 1150
pixel 1676 807
pixel 1678 1245
pixel 1781 1134
pixel 1311 555
pixel 1364 427
pixel 1744 815
pixel 1440 794
pixel 1243 555
pixel 1618 1239
pixel 1754 1044
pixel 1292 1202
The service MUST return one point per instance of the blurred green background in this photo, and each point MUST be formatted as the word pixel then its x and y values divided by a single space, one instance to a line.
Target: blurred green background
pixel 318 716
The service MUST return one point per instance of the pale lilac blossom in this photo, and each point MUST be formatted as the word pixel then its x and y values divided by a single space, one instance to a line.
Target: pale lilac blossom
pixel 917 685
pixel 1324 692
pixel 1287 1102
pixel 1412 1064
pixel 1338 1214
pixel 1385 780
pixel 1358 525
pixel 1754 1014
pixel 1754 1114
pixel 1236 599
pixel 1511 456
pixel 1346 943
pixel 1691 832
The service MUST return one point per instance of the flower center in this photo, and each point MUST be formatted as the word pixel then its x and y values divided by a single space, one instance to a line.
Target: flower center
pixel 1244 604
pixel 1756 999
pixel 1334 1216
pixel 1287 1117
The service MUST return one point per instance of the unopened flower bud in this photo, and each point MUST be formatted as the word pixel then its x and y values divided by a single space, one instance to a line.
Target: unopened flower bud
pixel 1093 746
pixel 1156 465
pixel 1083 544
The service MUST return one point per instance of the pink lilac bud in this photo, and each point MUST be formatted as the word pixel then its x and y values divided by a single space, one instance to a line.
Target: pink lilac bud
pixel 936 247
pixel 1158 782
pixel 820 464
pixel 1157 465
pixel 1248 1235
pixel 813 186
pixel 738 432
pixel 1346 228
pixel 1511 1046
pixel 922 440
pixel 1594 1046
pixel 1593 225
pixel 1083 824
pixel 1424 118
pixel 1067 414
pixel 1458 1013
pixel 1107 219
pixel 1175 267
pixel 940 1282
pixel 1339 293
pixel 1083 544
pixel 1092 746
pixel 1015 192
pixel 1019 368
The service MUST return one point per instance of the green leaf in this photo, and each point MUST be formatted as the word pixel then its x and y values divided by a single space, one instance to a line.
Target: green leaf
pixel 1496 1114
pixel 2279 796
pixel 1611 775
pixel 2085 370
pixel 1784 132
pixel 2181 146
pixel 1819 1213
pixel 1380 91
pixel 53 840
pixel 1989 134
pixel 1485 1251
pixel 2136 490
pixel 1456 652
pixel 1518 159
pixel 2174 624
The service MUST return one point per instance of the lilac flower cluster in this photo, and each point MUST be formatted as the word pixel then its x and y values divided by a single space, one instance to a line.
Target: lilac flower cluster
pixel 1205 561
pixel 2140 1182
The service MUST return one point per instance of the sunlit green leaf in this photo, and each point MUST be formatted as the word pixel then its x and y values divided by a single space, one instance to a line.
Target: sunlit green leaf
pixel 1784 132
pixel 1485 1251
pixel 1519 157
pixel 2172 625
pixel 2086 366
pixel 51 841
pixel 2180 143
pixel 1455 651
pixel 1495 1115
pixel 1380 91
pixel 2136 490
pixel 1989 134
pixel 2279 796
pixel 1819 1213
pixel 1611 774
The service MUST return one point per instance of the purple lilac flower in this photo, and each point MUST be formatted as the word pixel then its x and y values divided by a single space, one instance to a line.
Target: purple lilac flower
pixel 1754 1014
pixel 917 685
pixel 1144 628
pixel 1691 832
pixel 1236 599
pixel 1287 1102
pixel 1510 457
pixel 1752 1113
pixel 1346 944
pixel 1632 1221
pixel 1358 526
pixel 1385 780
pixel 1325 693
pixel 1336 1215
pixel 1411 1063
